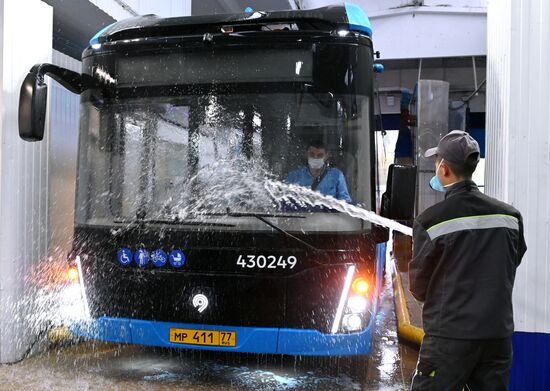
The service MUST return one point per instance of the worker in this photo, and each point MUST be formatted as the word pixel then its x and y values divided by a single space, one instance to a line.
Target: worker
pixel 317 175
pixel 466 250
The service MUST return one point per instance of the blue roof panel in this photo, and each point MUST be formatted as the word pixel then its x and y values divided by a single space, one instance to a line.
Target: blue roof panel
pixel 95 39
pixel 357 19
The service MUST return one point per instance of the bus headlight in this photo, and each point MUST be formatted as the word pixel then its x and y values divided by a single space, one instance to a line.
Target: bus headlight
pixel 357 304
pixel 352 322
pixel 353 312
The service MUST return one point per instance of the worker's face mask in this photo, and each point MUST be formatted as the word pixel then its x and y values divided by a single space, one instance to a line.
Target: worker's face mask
pixel 315 164
pixel 435 183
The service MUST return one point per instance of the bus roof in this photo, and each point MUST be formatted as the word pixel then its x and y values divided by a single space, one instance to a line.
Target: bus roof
pixel 345 16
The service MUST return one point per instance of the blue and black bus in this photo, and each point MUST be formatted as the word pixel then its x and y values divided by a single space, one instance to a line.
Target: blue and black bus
pixel 175 243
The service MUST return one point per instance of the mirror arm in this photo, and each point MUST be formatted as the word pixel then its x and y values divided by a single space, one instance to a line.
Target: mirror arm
pixel 73 81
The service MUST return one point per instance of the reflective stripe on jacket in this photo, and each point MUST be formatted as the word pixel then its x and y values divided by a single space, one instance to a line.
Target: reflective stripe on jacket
pixel 465 253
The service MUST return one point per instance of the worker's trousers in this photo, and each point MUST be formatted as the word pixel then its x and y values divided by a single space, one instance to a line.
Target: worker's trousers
pixel 454 364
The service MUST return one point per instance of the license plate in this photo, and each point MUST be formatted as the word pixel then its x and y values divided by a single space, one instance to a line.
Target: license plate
pixel 203 337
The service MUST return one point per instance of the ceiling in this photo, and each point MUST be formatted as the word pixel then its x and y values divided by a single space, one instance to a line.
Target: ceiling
pixel 202 7
pixel 74 23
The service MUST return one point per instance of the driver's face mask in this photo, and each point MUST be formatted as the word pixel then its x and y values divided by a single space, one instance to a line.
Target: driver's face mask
pixel 316 164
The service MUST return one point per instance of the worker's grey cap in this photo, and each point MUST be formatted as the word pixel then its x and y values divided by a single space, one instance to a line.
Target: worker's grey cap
pixel 456 147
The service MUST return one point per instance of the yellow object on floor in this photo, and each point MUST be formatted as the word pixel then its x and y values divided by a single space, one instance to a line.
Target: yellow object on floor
pixel 404 327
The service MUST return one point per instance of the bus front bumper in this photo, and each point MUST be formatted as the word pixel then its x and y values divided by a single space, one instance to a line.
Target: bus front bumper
pixel 248 339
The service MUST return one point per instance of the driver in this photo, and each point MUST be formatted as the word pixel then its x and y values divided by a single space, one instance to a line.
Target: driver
pixel 317 175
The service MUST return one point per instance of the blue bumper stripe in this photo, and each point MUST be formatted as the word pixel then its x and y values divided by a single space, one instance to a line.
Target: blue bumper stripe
pixel 105 329
pixel 314 343
pixel 249 339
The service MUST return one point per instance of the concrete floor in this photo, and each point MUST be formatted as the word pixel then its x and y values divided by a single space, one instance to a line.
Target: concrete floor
pixel 99 366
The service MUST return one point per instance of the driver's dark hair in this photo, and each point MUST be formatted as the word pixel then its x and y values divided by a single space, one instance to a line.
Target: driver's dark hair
pixel 467 169
pixel 317 143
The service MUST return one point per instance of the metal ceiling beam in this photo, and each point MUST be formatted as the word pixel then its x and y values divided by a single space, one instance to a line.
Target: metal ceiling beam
pixel 126 7
pixel 74 23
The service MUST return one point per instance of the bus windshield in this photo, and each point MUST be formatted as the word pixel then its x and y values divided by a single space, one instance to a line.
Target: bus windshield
pixel 165 156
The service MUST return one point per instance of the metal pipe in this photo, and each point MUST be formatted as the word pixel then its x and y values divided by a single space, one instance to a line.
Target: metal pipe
pixel 126 7
pixel 399 90
pixel 475 72
pixel 476 91
pixel 405 329
pixel 59 335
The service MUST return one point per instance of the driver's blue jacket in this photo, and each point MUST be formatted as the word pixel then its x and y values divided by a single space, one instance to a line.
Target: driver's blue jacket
pixel 333 183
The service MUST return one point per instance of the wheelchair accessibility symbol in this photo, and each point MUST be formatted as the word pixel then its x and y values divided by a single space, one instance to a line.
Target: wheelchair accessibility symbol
pixel 124 256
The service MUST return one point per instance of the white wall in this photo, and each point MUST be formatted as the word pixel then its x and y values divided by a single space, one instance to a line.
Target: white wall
pixel 518 141
pixel 63 146
pixel 26 40
pixel 163 8
pixel 425 34
pixel 438 29
pixel 456 3
pixel 374 6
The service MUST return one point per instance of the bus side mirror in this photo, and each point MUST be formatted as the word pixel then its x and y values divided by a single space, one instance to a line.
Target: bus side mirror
pixel 399 199
pixel 34 95
pixel 32 107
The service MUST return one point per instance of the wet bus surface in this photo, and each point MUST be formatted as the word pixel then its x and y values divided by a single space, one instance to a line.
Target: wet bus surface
pixel 99 366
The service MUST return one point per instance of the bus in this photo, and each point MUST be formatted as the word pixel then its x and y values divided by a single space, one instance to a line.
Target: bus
pixel 177 242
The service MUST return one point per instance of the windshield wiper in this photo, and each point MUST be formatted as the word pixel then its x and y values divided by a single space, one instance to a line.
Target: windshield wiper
pixel 279 229
pixel 252 214
pixel 174 221
pixel 189 222
pixel 263 219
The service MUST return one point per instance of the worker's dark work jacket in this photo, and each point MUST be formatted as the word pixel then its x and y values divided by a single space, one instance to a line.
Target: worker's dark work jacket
pixel 465 253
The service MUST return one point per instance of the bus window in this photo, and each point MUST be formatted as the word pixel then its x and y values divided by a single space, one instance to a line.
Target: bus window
pixel 204 155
